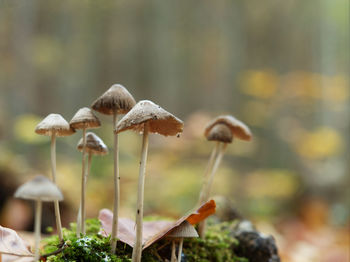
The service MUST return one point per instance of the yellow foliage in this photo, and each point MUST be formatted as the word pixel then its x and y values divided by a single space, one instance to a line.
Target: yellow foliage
pixel 256 113
pixel 24 129
pixel 321 143
pixel 261 84
pixel 337 89
pixel 271 183
pixel 303 84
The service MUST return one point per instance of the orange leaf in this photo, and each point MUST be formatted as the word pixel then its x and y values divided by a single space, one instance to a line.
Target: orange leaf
pixel 154 230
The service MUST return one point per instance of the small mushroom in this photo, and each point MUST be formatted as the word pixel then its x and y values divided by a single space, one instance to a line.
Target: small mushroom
pixel 94 146
pixel 83 119
pixel 146 117
pixel 116 100
pixel 54 125
pixel 184 230
pixel 223 130
pixel 39 189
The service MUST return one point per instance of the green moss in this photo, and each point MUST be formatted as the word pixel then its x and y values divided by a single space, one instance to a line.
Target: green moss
pixel 217 247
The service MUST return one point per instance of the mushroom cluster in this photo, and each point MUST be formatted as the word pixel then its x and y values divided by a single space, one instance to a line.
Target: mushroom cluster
pixel 144 117
pixel 222 129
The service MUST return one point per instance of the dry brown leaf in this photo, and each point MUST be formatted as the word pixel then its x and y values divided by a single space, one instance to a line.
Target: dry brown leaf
pixel 154 230
pixel 13 247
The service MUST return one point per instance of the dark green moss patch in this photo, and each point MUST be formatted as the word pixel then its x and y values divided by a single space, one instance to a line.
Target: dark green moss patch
pixel 217 247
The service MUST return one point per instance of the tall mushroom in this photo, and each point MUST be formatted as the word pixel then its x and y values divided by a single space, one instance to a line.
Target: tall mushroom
pixel 94 146
pixel 222 130
pixel 54 125
pixel 39 189
pixel 184 230
pixel 116 100
pixel 146 117
pixel 83 119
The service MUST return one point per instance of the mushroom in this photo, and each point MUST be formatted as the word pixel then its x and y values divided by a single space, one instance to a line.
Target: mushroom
pixel 221 129
pixel 54 125
pixel 146 117
pixel 185 229
pixel 94 146
pixel 116 100
pixel 83 119
pixel 39 189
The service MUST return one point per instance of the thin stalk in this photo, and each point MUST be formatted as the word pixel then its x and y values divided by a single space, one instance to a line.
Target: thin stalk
pixel 89 167
pixel 137 250
pixel 173 257
pixel 209 167
pixel 82 197
pixel 79 221
pixel 79 212
pixel 114 234
pixel 221 152
pixel 215 168
pixel 180 249
pixel 38 211
pixel 53 168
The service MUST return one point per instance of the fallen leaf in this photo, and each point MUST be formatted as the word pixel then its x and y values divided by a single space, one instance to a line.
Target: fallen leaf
pixel 153 230
pixel 12 247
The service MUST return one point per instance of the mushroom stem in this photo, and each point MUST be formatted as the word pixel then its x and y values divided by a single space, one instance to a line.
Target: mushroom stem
pixel 53 168
pixel 180 250
pixel 207 172
pixel 173 257
pixel 215 168
pixel 85 181
pixel 82 197
pixel 78 231
pixel 89 167
pixel 137 250
pixel 38 211
pixel 221 152
pixel 114 234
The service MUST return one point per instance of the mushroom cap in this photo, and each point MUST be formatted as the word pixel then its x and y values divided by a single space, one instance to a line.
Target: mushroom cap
pixel 94 145
pixel 185 229
pixel 159 120
pixel 220 132
pixel 116 98
pixel 238 128
pixel 84 118
pixel 54 124
pixel 39 188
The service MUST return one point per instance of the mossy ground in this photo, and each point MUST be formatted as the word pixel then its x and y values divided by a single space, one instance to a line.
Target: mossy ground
pixel 216 247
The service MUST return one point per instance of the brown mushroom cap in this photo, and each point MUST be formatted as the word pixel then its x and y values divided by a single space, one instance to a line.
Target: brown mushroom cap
pixel 238 128
pixel 115 99
pixel 94 145
pixel 84 118
pixel 221 133
pixel 159 120
pixel 39 188
pixel 54 124
pixel 185 229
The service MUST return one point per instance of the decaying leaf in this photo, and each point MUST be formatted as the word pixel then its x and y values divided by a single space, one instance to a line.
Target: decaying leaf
pixel 154 230
pixel 13 247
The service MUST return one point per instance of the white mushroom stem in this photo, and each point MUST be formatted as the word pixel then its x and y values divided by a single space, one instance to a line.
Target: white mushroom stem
pixel 209 167
pixel 82 197
pixel 53 168
pixel 180 250
pixel 114 234
pixel 38 211
pixel 79 212
pixel 137 250
pixel 173 249
pixel 79 222
pixel 222 149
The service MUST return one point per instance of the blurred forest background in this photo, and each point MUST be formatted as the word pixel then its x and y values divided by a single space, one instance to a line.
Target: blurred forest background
pixel 282 67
